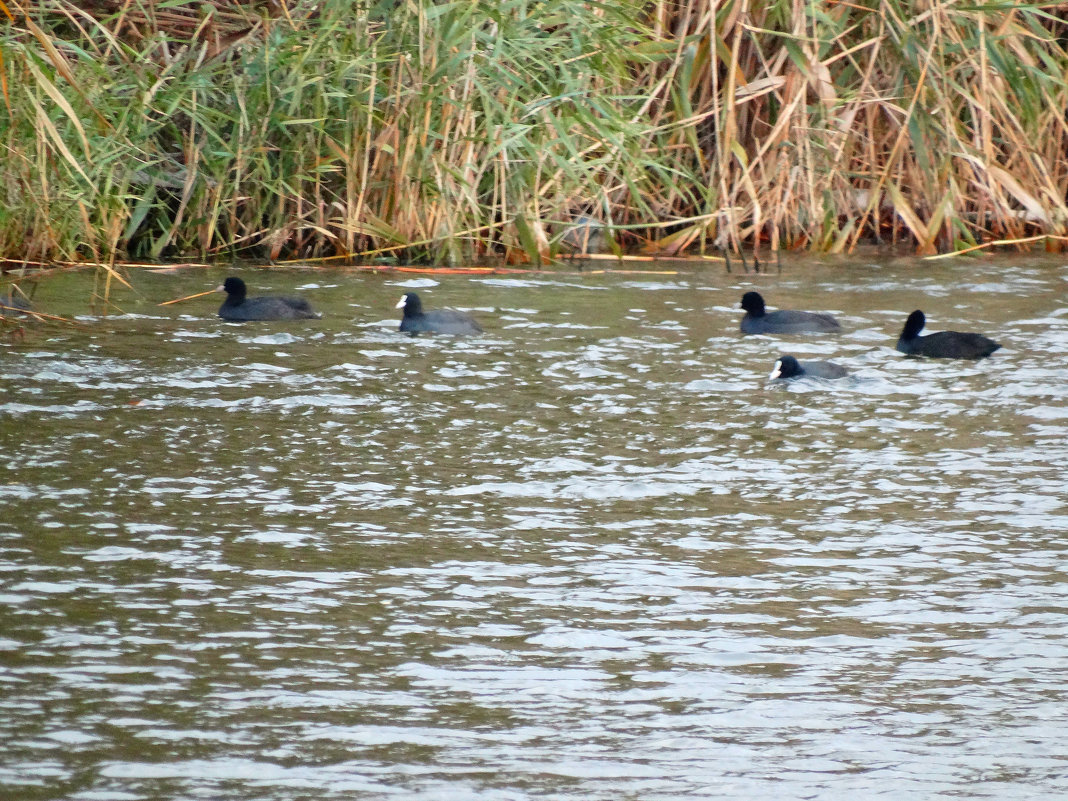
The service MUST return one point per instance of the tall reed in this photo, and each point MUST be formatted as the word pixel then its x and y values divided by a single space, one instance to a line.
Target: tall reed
pixel 450 131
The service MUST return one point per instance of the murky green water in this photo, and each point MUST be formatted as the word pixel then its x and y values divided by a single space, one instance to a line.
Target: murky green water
pixel 591 554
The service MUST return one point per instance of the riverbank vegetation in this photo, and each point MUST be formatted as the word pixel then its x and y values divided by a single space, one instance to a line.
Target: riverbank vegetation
pixel 462 131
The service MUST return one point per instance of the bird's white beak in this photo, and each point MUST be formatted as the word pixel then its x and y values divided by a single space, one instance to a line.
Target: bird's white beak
pixel 220 288
pixel 401 302
pixel 776 371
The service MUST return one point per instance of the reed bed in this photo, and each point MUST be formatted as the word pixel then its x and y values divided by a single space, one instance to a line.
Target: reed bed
pixel 469 131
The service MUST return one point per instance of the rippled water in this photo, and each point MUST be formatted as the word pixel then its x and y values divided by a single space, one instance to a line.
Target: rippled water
pixel 591 554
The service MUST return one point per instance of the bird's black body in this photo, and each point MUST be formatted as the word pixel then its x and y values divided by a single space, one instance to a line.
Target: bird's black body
pixel 944 344
pixel 238 307
pixel 440 321
pixel 789 367
pixel 758 320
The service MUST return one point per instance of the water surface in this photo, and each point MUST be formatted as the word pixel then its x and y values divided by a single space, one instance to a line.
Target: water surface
pixel 591 554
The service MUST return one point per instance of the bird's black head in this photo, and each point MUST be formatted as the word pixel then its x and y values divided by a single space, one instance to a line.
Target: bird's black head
pixel 411 304
pixel 786 367
pixel 753 303
pixel 235 288
pixel 914 325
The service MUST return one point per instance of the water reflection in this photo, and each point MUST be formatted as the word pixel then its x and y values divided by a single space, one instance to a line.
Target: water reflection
pixel 589 554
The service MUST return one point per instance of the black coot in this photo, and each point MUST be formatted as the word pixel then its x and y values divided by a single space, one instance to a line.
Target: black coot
pixel 944 344
pixel 758 320
pixel 239 308
pixel 440 321
pixel 789 367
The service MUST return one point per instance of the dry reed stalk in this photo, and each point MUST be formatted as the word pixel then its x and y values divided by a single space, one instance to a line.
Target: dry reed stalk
pixel 187 297
pixel 463 130
pixel 38 315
